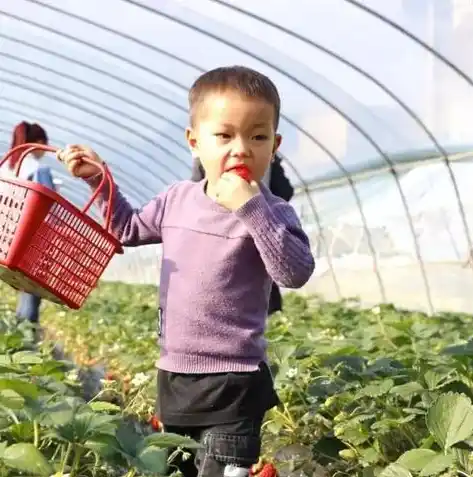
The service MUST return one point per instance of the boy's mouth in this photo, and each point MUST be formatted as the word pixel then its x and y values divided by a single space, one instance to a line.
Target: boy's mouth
pixel 241 170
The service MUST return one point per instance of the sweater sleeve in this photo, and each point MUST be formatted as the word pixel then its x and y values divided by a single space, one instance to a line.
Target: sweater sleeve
pixel 280 240
pixel 133 227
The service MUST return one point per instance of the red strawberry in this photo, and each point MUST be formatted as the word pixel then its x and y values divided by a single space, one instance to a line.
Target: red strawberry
pixel 268 471
pixel 242 171
pixel 264 470
pixel 109 376
pixel 155 423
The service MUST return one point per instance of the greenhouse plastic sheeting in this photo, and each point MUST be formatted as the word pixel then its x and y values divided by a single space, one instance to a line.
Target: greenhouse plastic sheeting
pixel 377 106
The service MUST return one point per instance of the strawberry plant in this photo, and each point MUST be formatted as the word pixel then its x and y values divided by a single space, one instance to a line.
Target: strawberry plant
pixel 378 392
pixel 47 428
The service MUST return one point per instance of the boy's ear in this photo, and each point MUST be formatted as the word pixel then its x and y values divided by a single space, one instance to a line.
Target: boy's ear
pixel 277 142
pixel 191 141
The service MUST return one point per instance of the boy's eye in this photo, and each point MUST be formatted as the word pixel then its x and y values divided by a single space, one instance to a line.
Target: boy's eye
pixel 261 137
pixel 222 135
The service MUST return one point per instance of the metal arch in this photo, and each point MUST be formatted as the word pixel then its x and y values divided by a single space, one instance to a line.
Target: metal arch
pixel 378 83
pixel 46 122
pixel 122 58
pixel 414 38
pixel 355 125
pixel 448 63
pixel 114 138
pixel 92 85
pixel 347 117
pixel 98 115
pixel 331 182
pixel 114 55
pixel 94 102
pixel 120 174
pixel 143 107
pixel 160 97
pixel 317 221
pixel 89 44
pixel 352 186
pixel 111 30
pixel 372 250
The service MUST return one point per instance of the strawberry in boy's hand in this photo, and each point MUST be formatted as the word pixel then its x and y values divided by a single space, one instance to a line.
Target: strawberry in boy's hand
pixel 235 187
pixel 243 171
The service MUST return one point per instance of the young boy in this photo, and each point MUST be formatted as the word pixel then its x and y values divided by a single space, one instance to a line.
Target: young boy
pixel 224 241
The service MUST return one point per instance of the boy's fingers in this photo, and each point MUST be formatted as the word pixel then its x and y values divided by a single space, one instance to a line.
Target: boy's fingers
pixel 73 165
pixel 75 147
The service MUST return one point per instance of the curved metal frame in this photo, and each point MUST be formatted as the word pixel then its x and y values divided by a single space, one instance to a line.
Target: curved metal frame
pixel 46 122
pixel 60 172
pixel 348 118
pixel 175 83
pixel 384 88
pixel 102 133
pixel 118 171
pixel 96 114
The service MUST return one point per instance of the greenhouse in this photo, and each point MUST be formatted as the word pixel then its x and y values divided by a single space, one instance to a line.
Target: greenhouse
pixel 376 120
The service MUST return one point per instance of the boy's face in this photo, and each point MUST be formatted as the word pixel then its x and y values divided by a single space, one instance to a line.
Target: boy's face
pixel 232 129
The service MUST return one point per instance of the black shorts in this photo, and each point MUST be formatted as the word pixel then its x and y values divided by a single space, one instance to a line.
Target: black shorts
pixel 234 447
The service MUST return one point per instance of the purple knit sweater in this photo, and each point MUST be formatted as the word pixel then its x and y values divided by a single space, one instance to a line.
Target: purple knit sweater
pixel 216 271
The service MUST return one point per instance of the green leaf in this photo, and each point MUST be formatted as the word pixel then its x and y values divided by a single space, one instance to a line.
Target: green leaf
pixel 27 458
pixel 128 438
pixel 459 350
pixel 435 378
pixel 438 464
pixel 407 390
pixel 102 406
pixel 26 357
pixel 153 459
pixel 170 440
pixel 21 387
pixel 60 413
pixel 5 360
pixel 376 389
pixel 395 470
pixel 274 427
pixel 22 432
pixel 104 445
pixel 370 455
pixel 450 419
pixel 11 399
pixel 56 369
pixel 284 352
pixel 416 459
pixel 3 446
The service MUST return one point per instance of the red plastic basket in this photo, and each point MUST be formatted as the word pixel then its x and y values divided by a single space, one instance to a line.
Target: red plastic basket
pixel 48 246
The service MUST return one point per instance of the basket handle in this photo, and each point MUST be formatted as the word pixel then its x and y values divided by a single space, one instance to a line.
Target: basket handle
pixel 106 175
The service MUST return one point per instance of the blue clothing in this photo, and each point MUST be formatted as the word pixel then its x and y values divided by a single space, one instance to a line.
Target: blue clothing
pixel 28 307
pixel 43 176
pixel 28 304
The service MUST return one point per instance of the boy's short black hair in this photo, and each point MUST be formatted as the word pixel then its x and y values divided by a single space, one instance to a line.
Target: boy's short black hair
pixel 241 79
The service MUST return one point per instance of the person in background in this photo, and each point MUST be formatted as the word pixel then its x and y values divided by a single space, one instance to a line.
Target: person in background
pixel 279 185
pixel 32 170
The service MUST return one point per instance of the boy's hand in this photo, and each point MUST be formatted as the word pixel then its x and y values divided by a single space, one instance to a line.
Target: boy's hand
pixel 71 156
pixel 232 192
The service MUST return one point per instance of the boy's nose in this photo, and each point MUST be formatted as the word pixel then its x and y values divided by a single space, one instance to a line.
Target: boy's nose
pixel 240 148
